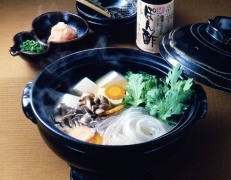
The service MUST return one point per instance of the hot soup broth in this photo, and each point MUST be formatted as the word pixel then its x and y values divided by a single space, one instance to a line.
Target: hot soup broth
pixel 121 109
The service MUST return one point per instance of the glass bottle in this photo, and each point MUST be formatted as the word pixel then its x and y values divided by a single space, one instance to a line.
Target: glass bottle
pixel 154 20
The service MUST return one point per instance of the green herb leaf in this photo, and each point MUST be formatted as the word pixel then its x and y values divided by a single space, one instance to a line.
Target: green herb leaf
pixel 171 98
pixel 161 99
pixel 136 88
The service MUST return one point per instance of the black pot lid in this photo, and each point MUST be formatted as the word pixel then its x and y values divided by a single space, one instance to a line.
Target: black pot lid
pixel 203 50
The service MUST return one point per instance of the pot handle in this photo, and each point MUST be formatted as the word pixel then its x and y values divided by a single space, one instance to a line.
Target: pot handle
pixel 26 103
pixel 201 95
pixel 220 29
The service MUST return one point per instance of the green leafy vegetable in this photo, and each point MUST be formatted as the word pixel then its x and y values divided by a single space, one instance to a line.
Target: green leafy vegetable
pixel 135 88
pixel 31 46
pixel 161 99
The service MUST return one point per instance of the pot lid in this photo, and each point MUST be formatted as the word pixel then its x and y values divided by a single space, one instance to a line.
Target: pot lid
pixel 203 50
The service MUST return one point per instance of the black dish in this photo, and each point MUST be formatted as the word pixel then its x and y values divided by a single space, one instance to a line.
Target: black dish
pixel 41 30
pixel 102 24
pixel 43 24
pixel 101 161
pixel 31 57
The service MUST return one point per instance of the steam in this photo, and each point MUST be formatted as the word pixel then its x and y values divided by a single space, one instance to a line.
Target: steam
pixel 53 57
pixel 53 94
pixel 102 40
pixel 40 9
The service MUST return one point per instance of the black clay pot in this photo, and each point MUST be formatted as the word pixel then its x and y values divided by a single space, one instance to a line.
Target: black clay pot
pixel 90 161
pixel 203 50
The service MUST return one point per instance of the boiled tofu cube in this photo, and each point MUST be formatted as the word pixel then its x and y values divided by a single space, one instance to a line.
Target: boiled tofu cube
pixel 110 78
pixel 85 85
pixel 70 100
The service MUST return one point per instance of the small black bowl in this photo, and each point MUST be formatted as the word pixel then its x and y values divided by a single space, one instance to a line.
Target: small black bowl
pixel 42 26
pixel 21 37
pixel 91 161
pixel 41 31
pixel 102 24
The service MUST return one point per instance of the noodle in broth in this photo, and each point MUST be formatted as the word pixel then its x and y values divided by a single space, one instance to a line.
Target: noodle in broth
pixel 131 126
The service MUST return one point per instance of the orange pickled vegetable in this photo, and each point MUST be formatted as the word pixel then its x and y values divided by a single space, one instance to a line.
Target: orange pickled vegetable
pixel 113 110
pixel 114 92
pixel 96 139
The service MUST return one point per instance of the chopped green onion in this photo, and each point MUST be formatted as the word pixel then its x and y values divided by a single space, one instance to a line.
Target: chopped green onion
pixel 31 46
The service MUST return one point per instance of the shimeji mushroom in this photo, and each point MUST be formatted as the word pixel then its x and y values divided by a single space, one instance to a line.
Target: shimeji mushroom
pixel 87 98
pixel 89 111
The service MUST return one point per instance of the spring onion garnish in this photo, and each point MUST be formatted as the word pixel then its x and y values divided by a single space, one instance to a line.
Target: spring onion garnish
pixel 31 46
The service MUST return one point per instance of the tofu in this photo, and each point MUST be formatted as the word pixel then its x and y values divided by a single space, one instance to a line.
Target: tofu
pixel 85 85
pixel 70 100
pixel 98 87
pixel 110 78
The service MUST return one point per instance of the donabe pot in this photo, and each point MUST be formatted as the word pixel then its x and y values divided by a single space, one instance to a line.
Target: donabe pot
pixel 101 161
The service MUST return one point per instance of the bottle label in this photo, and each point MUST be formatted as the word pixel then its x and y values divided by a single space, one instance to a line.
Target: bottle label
pixel 153 22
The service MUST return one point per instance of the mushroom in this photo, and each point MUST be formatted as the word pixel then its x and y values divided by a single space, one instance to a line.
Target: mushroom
pixel 63 109
pixel 71 123
pixel 110 104
pixel 58 118
pixel 99 111
pixel 64 118
pixel 69 116
pixel 104 106
pixel 75 120
pixel 87 98
pixel 88 111
pixel 94 107
pixel 103 99
pixel 68 120
pixel 97 100
pixel 85 119
pixel 99 118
